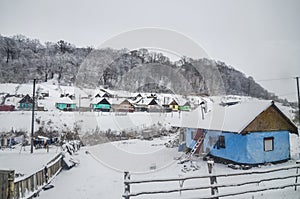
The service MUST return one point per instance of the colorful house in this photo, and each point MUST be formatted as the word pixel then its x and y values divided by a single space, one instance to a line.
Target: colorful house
pixel 244 133
pixel 124 106
pixel 26 103
pixel 103 105
pixel 4 107
pixel 185 107
pixel 153 106
pixel 65 104
pixel 147 104
pixel 173 105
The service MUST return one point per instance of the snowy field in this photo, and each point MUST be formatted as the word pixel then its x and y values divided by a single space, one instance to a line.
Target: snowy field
pixel 100 172
pixel 25 163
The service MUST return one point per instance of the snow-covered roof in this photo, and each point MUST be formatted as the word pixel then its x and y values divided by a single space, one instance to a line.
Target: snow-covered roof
pixel 233 118
pixel 43 137
pixel 145 101
pixel 118 100
pixel 12 101
pixel 65 100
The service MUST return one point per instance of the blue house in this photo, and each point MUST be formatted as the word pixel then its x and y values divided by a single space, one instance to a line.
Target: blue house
pixel 244 133
pixel 65 104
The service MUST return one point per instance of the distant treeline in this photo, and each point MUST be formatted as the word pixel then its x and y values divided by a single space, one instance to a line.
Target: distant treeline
pixel 23 59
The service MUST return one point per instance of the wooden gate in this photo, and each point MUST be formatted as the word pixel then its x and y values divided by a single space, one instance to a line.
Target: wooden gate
pixel 7 184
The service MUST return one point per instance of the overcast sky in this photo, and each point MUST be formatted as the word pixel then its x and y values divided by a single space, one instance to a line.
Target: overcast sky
pixel 260 38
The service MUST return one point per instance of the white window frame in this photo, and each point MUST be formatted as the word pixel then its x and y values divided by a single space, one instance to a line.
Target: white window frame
pixel 268 144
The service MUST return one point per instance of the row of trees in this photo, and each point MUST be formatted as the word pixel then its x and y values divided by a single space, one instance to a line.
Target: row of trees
pixel 22 59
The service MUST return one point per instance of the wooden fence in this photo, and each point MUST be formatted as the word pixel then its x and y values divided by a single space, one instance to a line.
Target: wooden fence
pixel 217 187
pixel 29 186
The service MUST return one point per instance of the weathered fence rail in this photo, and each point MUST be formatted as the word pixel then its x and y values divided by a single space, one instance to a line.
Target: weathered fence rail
pixel 29 186
pixel 217 186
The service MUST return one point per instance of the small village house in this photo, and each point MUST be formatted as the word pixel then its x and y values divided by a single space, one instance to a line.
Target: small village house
pixel 174 105
pixel 153 106
pixel 185 107
pixel 244 133
pixel 102 105
pixel 26 103
pixel 147 104
pixel 124 106
pixel 65 104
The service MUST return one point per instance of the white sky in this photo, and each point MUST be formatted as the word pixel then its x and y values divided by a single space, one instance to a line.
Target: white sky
pixel 260 38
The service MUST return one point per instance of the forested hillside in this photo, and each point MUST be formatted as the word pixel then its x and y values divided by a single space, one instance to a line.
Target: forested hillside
pixel 23 59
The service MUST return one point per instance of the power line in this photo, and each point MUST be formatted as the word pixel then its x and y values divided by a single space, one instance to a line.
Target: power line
pixel 275 79
pixel 286 94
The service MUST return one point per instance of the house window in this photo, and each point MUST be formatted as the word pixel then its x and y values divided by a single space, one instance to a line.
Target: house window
pixel 181 136
pixel 221 141
pixel 269 144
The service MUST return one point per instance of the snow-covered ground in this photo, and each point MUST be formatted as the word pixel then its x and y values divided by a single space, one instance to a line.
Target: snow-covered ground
pixel 23 162
pixel 100 173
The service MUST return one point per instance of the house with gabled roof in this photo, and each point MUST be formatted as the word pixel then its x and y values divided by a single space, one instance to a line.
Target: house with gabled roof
pixel 185 107
pixel 171 105
pixel 147 104
pixel 65 104
pixel 101 104
pixel 26 103
pixel 244 133
pixel 124 106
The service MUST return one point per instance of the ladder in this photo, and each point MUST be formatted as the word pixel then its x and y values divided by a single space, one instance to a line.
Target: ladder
pixel 194 149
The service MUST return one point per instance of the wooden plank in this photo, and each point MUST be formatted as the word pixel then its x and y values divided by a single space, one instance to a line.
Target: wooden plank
pixel 3 185
pixel 270 120
pixel 215 175
pixel 248 191
pixel 211 186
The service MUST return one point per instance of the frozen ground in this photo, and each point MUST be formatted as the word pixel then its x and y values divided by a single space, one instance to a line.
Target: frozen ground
pixel 100 173
pixel 23 162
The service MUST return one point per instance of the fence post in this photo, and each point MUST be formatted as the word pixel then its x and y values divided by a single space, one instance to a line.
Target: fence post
pixel 127 185
pixel 46 174
pixel 213 179
pixel 7 184
pixel 296 181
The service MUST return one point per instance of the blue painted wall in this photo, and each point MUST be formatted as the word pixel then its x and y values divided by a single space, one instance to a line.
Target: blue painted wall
pixel 62 106
pixel 255 147
pixel 188 139
pixel 246 149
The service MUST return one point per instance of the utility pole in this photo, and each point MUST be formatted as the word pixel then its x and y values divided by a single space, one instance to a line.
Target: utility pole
pixel 297 79
pixel 32 118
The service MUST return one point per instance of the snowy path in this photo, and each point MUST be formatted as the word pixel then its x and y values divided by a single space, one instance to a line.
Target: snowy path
pixel 90 179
